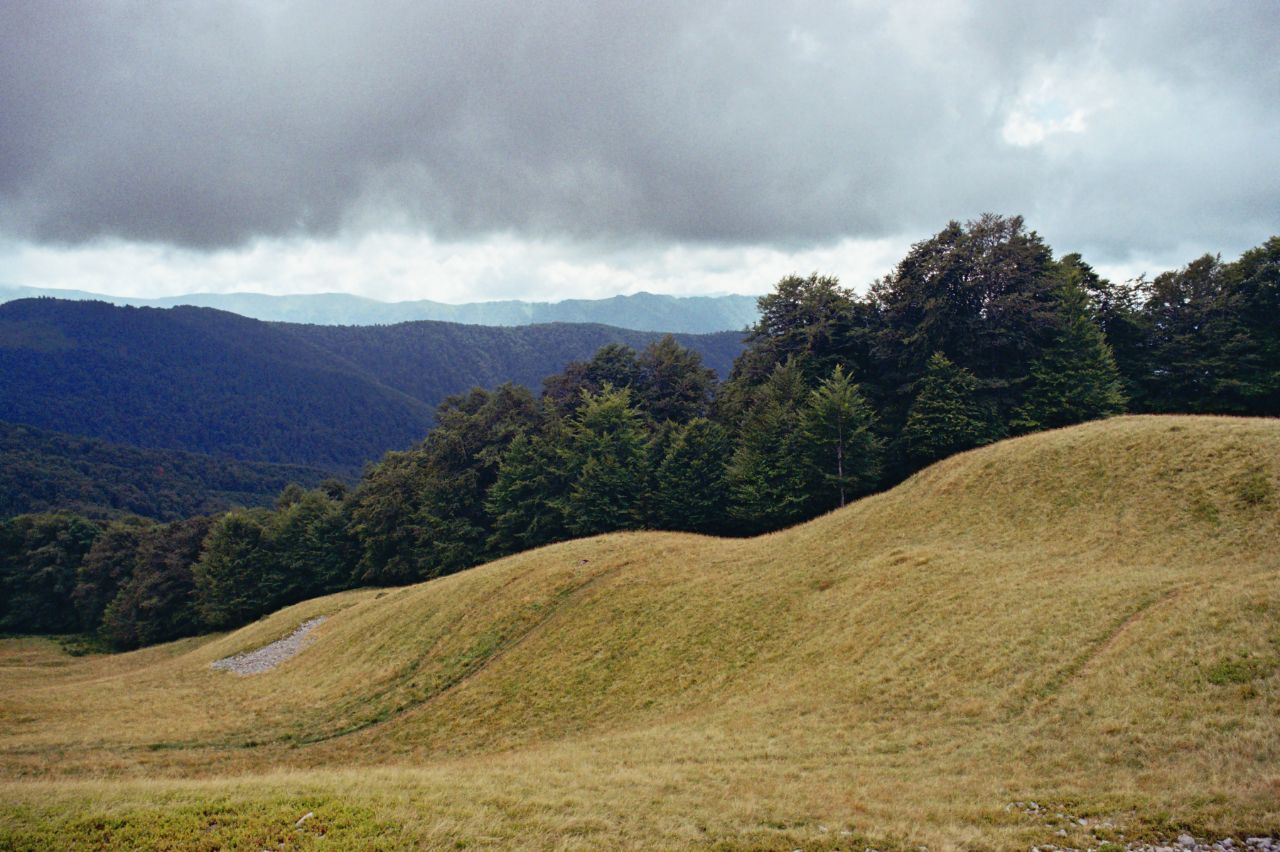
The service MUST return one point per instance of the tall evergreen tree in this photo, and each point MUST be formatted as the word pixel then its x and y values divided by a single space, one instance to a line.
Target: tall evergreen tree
pixel 690 485
pixel 946 416
pixel 606 454
pixel 843 449
pixel 673 383
pixel 39 558
pixel 769 473
pixel 1074 376
pixel 157 603
pixel 527 500
pixel 811 321
pixel 229 577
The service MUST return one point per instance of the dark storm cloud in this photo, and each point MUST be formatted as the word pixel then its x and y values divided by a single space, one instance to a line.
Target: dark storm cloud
pixel 207 124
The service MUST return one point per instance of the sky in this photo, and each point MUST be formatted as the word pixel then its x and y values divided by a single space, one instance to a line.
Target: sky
pixel 468 150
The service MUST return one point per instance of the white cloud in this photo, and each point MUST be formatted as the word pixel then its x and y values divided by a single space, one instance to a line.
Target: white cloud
pixel 401 265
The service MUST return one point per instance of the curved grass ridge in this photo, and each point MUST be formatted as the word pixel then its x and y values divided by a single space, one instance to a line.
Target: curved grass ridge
pixel 1088 617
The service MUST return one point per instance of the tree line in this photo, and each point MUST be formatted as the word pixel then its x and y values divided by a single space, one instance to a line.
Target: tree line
pixel 979 333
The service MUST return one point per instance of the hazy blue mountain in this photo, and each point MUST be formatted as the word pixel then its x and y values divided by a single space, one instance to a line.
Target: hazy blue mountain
pixel 44 471
pixel 641 312
pixel 209 381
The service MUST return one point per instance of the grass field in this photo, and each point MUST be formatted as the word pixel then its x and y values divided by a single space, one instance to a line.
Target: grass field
pixel 1088 619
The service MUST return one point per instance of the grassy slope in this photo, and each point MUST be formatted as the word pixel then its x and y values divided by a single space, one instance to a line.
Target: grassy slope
pixel 1089 618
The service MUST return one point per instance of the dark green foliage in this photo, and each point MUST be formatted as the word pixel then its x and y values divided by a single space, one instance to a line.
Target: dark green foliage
pixel 812 322
pixel 157 602
pixel 983 293
pixel 1255 278
pixel 526 501
pixel 842 448
pixel 39 558
pixel 690 489
pixel 771 479
pixel 605 457
pixel 673 384
pixel 312 548
pixel 667 381
pixel 1214 343
pixel 45 471
pixel 946 416
pixel 1117 310
pixel 1074 377
pixel 422 513
pixel 107 566
pixel 234 574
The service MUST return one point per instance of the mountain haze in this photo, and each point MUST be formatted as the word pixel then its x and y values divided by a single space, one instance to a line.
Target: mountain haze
pixel 639 312
pixel 1084 618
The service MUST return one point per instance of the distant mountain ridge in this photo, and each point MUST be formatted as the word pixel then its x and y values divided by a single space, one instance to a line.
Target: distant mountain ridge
pixel 639 312
pixel 208 381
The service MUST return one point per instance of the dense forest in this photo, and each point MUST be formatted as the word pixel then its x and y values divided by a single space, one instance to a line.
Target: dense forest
pixel 207 381
pixel 979 333
pixel 43 471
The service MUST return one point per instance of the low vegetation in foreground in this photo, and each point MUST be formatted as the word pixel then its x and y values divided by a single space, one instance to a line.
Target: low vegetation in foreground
pixel 1088 619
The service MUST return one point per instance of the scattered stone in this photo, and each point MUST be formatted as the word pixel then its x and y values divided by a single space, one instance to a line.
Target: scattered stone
pixel 1186 841
pixel 269 656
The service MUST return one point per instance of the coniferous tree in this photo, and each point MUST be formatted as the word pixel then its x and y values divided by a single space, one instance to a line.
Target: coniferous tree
pixel 606 456
pixel 311 550
pixel 1255 279
pixel 946 416
pixel 526 501
pixel 1074 377
pixel 232 571
pixel 770 477
pixel 843 449
pixel 673 383
pixel 157 603
pixel 690 485
pixel 108 565
pixel 39 558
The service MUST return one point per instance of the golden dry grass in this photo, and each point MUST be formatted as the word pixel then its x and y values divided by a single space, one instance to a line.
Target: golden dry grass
pixel 1088 618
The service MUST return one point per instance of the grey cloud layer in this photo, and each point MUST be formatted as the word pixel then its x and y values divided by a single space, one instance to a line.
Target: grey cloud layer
pixel 207 124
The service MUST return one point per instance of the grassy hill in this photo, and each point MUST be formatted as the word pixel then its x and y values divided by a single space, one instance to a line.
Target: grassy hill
pixel 1088 619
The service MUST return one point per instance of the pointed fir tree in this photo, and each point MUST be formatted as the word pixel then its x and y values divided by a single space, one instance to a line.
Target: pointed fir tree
pixel 606 455
pixel 1074 378
pixel 232 570
pixel 843 449
pixel 527 500
pixel 691 488
pixel 946 416
pixel 770 477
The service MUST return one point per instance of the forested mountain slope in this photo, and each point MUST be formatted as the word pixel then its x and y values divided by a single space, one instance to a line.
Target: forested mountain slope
pixel 208 381
pixel 430 360
pixel 1085 618
pixel 42 471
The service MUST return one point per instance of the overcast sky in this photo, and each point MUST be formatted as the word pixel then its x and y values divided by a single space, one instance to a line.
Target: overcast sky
pixel 464 150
